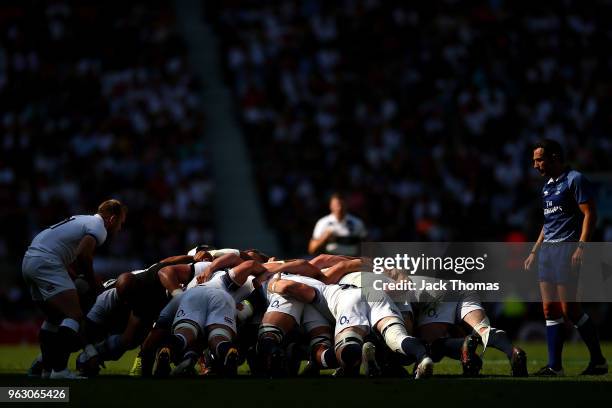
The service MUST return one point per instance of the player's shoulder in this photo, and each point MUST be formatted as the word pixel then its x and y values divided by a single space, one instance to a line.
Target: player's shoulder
pixel 326 220
pixel 94 220
pixel 354 219
pixel 575 176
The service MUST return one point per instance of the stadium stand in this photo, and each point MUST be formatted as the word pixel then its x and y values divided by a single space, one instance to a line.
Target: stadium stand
pixel 423 112
pixel 98 101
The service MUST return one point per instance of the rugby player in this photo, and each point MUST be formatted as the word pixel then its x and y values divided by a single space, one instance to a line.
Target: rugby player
pixel 436 313
pixel 354 319
pixel 44 268
pixel 203 312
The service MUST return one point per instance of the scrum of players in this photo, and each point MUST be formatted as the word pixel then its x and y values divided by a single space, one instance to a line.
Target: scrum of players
pixel 209 311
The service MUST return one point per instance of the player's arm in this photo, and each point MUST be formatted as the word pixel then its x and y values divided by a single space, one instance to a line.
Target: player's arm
pixel 534 250
pixel 316 244
pixel 297 267
pixel 241 272
pixel 336 272
pixel 84 260
pixel 173 276
pixel 225 261
pixel 297 290
pixel 589 211
pixel 327 260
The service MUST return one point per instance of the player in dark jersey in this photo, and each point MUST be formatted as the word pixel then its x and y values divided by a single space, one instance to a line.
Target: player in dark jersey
pixel 569 220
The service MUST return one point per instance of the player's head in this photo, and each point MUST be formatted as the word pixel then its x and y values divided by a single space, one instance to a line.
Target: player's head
pixel 337 205
pixel 257 255
pixel 113 212
pixel 128 289
pixel 548 157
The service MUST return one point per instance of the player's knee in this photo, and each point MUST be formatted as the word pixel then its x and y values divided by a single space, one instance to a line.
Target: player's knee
pixel 320 341
pixel 187 329
pixel 269 333
pixel 219 335
pixel 348 348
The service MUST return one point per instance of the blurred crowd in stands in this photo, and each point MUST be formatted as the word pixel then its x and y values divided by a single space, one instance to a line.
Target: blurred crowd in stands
pixel 97 101
pixel 423 113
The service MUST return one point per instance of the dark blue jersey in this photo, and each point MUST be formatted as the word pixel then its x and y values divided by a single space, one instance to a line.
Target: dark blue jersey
pixel 560 199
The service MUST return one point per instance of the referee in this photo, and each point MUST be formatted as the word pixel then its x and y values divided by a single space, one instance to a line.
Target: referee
pixel 569 220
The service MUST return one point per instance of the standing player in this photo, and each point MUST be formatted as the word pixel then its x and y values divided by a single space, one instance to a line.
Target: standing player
pixel 339 232
pixel 569 220
pixel 44 268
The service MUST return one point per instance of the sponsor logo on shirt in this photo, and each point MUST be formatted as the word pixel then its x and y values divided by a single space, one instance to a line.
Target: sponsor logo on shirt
pixel 553 210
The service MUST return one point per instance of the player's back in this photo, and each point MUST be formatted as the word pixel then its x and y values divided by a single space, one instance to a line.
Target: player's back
pixel 60 241
pixel 219 280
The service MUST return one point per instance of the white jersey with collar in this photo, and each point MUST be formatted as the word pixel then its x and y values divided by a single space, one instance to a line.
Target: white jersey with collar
pixel 59 242
pixel 216 281
pixel 349 233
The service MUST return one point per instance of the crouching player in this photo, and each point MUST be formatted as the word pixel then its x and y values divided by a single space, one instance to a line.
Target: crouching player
pixel 438 313
pixel 185 344
pixel 354 318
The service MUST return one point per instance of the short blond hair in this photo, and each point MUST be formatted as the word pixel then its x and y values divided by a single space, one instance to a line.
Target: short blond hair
pixel 112 207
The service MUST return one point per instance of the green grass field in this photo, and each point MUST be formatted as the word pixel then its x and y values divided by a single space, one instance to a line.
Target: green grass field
pixel 115 388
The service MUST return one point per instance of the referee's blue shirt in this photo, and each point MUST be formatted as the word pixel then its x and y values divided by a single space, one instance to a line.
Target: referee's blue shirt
pixel 560 199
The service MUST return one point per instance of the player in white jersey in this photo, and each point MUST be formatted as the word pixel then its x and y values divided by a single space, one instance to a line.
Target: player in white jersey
pixel 276 348
pixel 438 311
pixel 207 310
pixel 338 232
pixel 135 301
pixel 163 324
pixel 45 269
pixel 356 312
